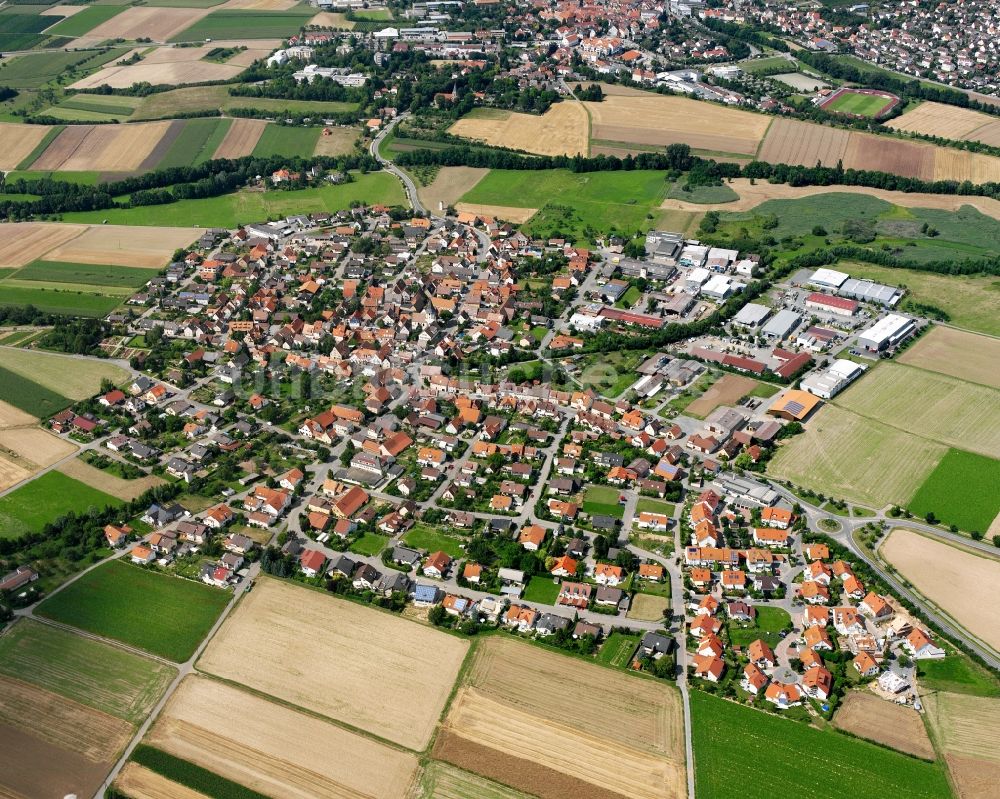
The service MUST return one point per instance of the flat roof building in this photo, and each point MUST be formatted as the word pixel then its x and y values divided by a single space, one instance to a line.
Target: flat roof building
pixel 752 315
pixel 831 304
pixel 828 278
pixel 870 291
pixel 886 332
pixel 781 325
pixel 829 382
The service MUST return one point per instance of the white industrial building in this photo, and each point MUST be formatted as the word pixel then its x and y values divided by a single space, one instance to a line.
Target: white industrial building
pixel 720 287
pixel 781 325
pixel 870 291
pixel 886 332
pixel 827 383
pixel 697 278
pixel 693 255
pixel 828 278
pixel 752 315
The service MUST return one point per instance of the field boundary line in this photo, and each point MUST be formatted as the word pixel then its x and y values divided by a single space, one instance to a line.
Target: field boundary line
pixel 101 639
pixel 760 144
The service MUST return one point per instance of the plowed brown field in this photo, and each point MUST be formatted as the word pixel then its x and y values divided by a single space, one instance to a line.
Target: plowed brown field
pixel 241 138
pixel 275 750
pixel 882 154
pixel 898 726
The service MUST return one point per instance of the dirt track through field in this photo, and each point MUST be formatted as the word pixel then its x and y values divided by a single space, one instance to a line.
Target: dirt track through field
pixel 367 668
pixel 275 750
pixel 897 726
pixel 241 138
pixel 107 482
pixel 17 142
pixel 963 585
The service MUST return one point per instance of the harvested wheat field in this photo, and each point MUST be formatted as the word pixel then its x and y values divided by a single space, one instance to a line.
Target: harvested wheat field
pixel 139 782
pixel 951 164
pixel 36 445
pixel 275 750
pixel 897 726
pixel 450 183
pixel 511 729
pixel 963 585
pixel 330 19
pixel 339 141
pixel 61 11
pixel 562 130
pixel 257 5
pixel 152 22
pixel 121 245
pixel 658 119
pixel 803 143
pixel 949 122
pixel 967 356
pixel 967 728
pixel 15 417
pixel 13 471
pixel 726 391
pixel 752 195
pixel 107 482
pixel 443 781
pixel 325 654
pixel 958 413
pixel 102 148
pixel 504 212
pixel 34 240
pixel 241 138
pixel 17 142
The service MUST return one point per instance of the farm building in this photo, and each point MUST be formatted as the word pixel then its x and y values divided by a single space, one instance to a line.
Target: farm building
pixel 869 291
pixel 886 332
pixel 794 405
pixel 781 325
pixel 829 382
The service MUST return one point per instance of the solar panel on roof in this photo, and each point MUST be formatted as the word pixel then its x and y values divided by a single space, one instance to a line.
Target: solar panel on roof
pixel 794 407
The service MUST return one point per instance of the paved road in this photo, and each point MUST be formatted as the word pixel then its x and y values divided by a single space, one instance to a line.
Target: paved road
pixel 388 166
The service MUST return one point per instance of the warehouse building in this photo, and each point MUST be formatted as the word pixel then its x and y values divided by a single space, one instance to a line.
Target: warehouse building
pixel 886 332
pixel 720 287
pixel 830 304
pixel 793 405
pixel 829 382
pixel 869 291
pixel 752 315
pixel 781 325
pixel 828 278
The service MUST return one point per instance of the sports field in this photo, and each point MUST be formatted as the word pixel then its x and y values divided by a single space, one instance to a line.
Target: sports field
pixel 95 674
pixel 847 456
pixel 533 734
pixel 942 408
pixel 859 102
pixel 52 495
pixel 167 615
pixel 773 756
pixel 964 585
pixel 232 210
pixel 962 490
pixel 323 654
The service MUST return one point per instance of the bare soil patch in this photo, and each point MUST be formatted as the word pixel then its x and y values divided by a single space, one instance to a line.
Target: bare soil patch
pixel 726 391
pixel 450 183
pixel 963 585
pixel 974 779
pixel 648 607
pixel 504 212
pixel 28 768
pixel 562 130
pixel 141 783
pixel 241 138
pixel 657 119
pixel 967 356
pixel 113 148
pixel 107 482
pixel 35 239
pixel 61 722
pixel 910 159
pixel 369 669
pixel 753 195
pixel 121 245
pixel 899 726
pixel 17 142
pixel 275 750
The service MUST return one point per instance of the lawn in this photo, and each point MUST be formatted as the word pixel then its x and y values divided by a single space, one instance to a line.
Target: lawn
pixel 769 622
pixel 244 24
pixel 575 204
pixel 708 195
pixel 29 396
pixel 165 615
pixel 197 142
pixel 232 210
pixel 45 499
pixel 770 756
pixel 287 140
pixel 96 674
pixel 85 21
pixel 93 274
pixel 541 589
pixel 602 500
pixel 647 505
pixel 866 105
pixel 618 649
pixel 956 674
pixel 67 303
pixel 962 490
pixel 631 296
pixel 369 544
pixel 421 536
